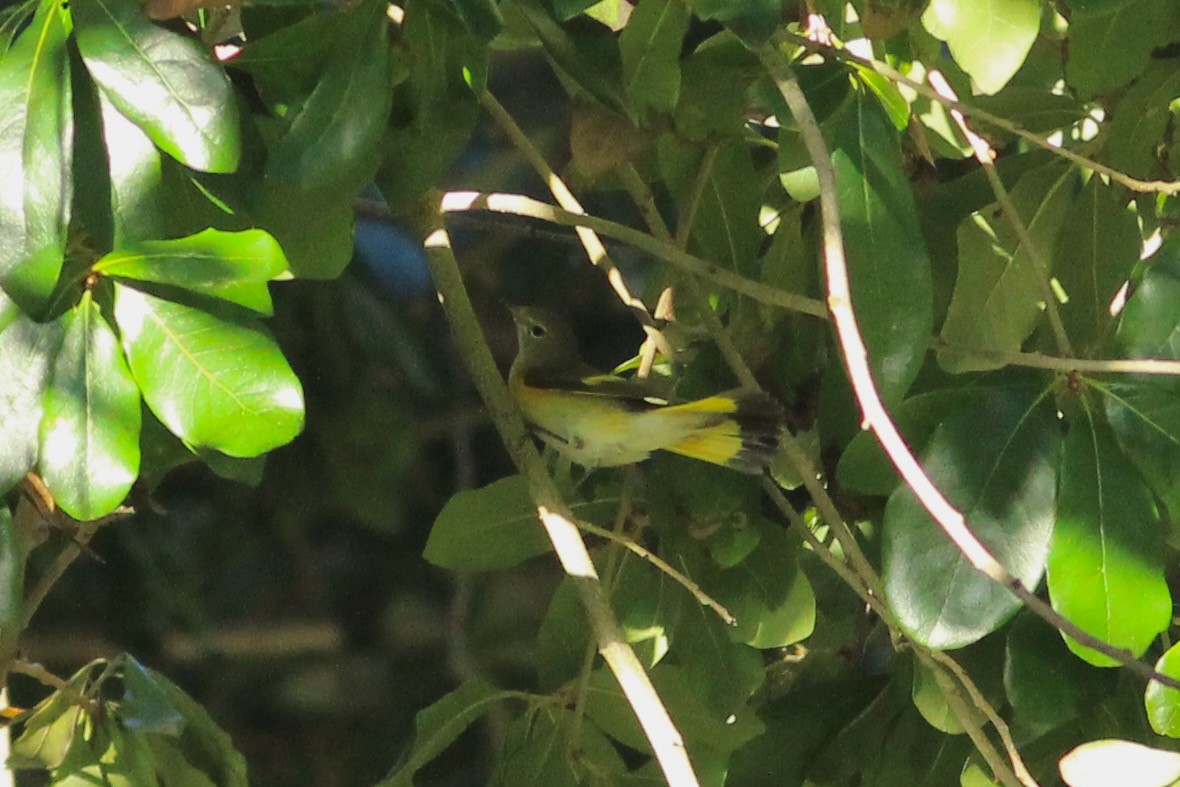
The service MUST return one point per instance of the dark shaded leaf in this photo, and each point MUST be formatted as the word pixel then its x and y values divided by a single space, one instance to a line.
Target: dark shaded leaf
pixel 887 264
pixel 650 49
pixel 996 464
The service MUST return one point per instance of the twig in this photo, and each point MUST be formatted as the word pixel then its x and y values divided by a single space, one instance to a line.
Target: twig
pixel 1095 365
pixel 637 549
pixel 519 205
pixel 986 156
pixel 875 417
pixel 892 74
pixel 983 705
pixel 963 713
pixel 666 741
pixel 595 249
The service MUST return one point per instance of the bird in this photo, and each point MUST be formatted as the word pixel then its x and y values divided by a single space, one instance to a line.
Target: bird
pixel 602 420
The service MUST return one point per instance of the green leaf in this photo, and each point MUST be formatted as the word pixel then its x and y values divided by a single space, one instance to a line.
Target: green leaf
pixel 494 527
pixel 865 469
pixel 1144 410
pixel 136 177
pixel 650 47
pixel 1140 119
pixel 482 18
pixel 562 637
pixel 789 622
pixel 48 729
pixel 12 572
pixel 931 702
pixel 335 138
pixel 726 229
pixel 202 743
pixel 1043 683
pixel 90 430
pixel 1106 570
pixel 989 39
pixel 539 750
pixel 215 383
pixel 437 727
pixel 145 706
pixel 1110 42
pixel 713 84
pixel 753 20
pixel 1103 249
pixel 887 263
pixel 1162 702
pixel 27 350
pixel 173 769
pixel 36 145
pixel 436 108
pixel 703 727
pixel 1003 478
pixel 314 229
pixel 1106 762
pixel 584 53
pixel 1032 109
pixel 998 293
pixel 233 266
pixel 163 82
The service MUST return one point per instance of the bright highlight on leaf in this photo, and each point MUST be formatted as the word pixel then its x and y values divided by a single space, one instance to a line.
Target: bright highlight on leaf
pixel 216 383
pixel 90 429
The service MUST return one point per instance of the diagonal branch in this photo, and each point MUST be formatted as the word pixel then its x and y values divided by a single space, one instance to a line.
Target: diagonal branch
pixel 555 516
pixel 875 417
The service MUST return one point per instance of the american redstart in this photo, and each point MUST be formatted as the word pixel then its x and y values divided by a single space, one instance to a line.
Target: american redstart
pixel 600 420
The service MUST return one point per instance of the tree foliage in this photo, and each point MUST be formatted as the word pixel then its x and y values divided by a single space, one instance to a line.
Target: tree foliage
pixel 1005 175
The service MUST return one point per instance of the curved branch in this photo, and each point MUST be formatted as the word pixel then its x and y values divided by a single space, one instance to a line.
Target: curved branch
pixel 875 416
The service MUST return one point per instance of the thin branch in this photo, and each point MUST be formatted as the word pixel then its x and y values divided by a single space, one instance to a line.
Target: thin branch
pixel 666 741
pixel 519 205
pixel 980 702
pixel 963 713
pixel 637 549
pixel 986 157
pixel 875 417
pixel 595 249
pixel 893 75
pixel 1054 363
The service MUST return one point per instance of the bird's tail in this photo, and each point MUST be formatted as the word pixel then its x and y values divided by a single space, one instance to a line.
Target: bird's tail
pixel 739 430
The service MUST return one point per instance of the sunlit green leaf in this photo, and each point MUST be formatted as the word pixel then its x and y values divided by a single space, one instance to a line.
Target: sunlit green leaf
pixel 931 701
pixel 90 430
pixel 163 82
pixel 1105 568
pixel 36 143
pixel 136 179
pixel 1163 703
pixel 1105 762
pixel 887 263
pixel 989 39
pixel 215 383
pixel 233 266
pixel 27 350
pixel 1003 478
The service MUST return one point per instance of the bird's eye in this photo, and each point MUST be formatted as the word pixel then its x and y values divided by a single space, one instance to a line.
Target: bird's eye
pixel 537 331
